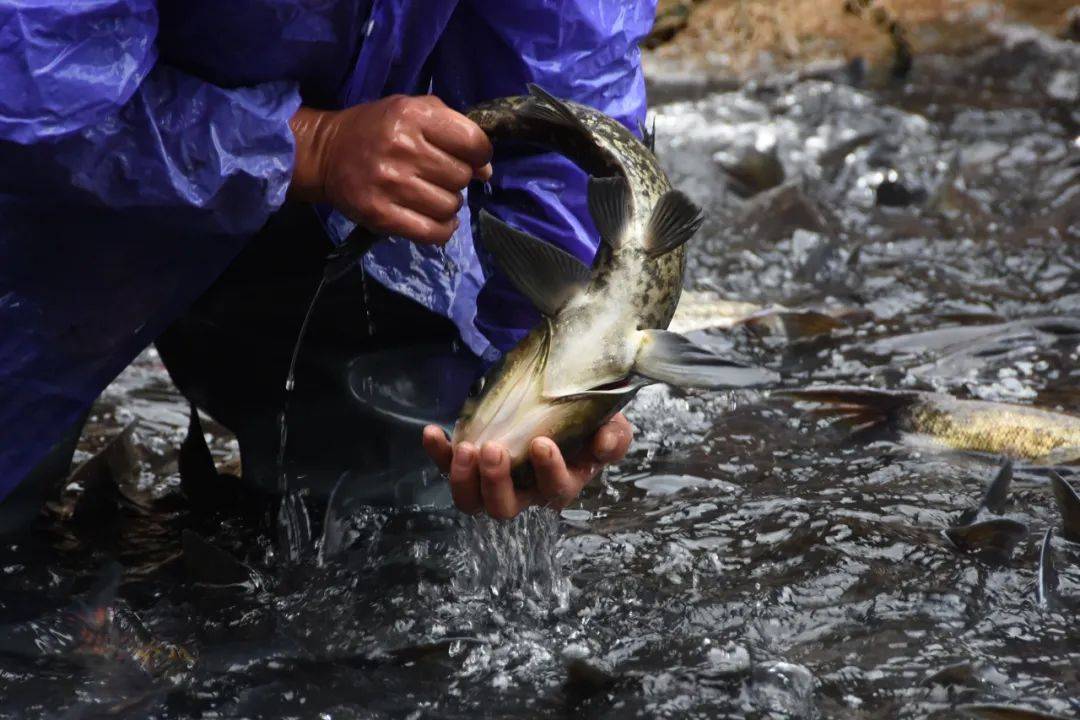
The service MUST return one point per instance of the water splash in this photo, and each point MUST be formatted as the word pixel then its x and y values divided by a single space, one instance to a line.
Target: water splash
pixel 517 560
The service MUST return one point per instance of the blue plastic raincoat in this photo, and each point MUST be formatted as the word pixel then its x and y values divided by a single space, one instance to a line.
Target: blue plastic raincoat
pixel 143 141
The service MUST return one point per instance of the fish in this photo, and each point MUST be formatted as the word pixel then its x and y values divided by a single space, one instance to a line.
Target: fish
pixel 701 310
pixel 991 540
pixel 1020 432
pixel 603 332
pixel 98 626
pixel 209 565
pixel 1068 503
pixel 1005 712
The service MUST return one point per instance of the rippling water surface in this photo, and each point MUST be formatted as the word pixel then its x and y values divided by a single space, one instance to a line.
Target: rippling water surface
pixel 747 559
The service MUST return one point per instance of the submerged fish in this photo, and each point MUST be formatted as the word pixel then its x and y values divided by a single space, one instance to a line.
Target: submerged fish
pixel 1016 431
pixel 603 333
pixel 701 310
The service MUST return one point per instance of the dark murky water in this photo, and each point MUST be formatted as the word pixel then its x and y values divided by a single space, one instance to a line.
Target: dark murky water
pixel 746 560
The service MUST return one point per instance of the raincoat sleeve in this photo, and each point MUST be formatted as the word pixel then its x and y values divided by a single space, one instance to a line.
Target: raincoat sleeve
pixel 88 115
pixel 582 50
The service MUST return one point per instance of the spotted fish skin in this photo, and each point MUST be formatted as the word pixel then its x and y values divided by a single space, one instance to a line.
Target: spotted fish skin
pixel 1017 431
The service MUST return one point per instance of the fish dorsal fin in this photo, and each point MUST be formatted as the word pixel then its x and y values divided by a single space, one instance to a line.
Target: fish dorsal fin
pixel 542 272
pixel 670 358
pixel 674 221
pixel 648 135
pixel 610 206
pixel 549 108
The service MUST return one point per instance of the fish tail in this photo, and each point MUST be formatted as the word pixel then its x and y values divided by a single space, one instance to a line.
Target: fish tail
pixel 863 407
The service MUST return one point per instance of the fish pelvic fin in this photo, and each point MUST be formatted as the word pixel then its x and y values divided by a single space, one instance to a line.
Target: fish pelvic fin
pixel 546 275
pixel 610 204
pixel 670 358
pixel 675 219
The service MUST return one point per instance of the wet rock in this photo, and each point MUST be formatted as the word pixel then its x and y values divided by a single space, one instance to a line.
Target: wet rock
pixel 584 679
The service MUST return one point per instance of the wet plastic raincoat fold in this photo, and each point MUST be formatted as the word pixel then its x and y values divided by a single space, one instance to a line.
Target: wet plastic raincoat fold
pixel 142 143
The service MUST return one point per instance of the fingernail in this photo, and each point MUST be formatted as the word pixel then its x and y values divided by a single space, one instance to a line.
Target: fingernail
pixel 464 454
pixel 606 445
pixel 545 449
pixel 491 455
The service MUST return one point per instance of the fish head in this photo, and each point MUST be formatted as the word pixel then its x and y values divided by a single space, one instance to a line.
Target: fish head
pixel 520 398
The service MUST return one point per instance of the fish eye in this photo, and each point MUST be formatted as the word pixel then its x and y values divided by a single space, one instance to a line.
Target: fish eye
pixel 477 387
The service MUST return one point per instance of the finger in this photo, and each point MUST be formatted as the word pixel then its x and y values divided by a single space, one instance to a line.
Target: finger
pixel 413 225
pixel 465 479
pixel 458 135
pixel 438 447
pixel 613 439
pixel 484 174
pixel 443 169
pixel 496 487
pixel 430 200
pixel 556 484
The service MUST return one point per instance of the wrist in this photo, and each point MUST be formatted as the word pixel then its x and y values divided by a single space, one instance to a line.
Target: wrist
pixel 312 130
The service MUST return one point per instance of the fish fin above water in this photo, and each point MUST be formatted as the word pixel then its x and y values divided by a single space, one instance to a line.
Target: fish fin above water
pixel 670 358
pixel 1068 503
pixel 1046 583
pixel 998 489
pixel 675 219
pixel 993 500
pixel 610 206
pixel 648 135
pixel 545 106
pixel 542 272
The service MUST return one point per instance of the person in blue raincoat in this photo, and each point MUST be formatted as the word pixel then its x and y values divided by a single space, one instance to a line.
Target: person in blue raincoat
pixel 176 171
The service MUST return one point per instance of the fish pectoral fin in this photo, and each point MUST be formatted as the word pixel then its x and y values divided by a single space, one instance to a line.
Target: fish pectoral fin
pixel 548 108
pixel 670 358
pixel 542 272
pixel 675 219
pixel 610 204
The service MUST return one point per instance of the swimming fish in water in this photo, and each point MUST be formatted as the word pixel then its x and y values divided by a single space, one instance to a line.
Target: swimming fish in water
pixel 1046 580
pixel 1017 431
pixel 701 310
pixel 602 336
pixel 97 626
pixel 1005 712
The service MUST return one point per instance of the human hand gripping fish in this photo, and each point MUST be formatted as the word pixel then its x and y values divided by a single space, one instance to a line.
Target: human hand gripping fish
pixel 602 336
